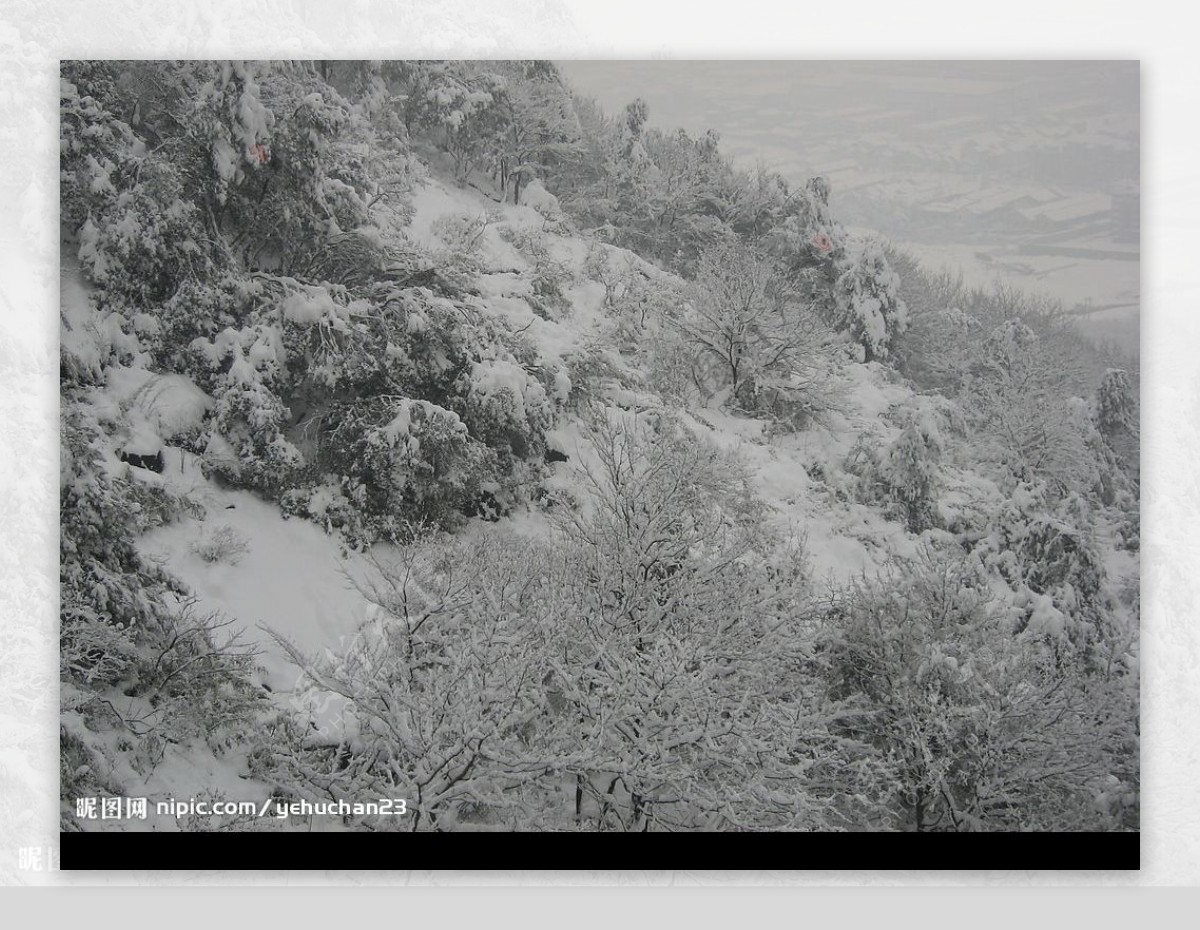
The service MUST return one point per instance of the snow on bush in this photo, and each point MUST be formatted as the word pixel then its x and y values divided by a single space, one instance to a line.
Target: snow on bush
pixel 221 544
pixel 95 147
pixel 550 276
pixel 504 404
pixel 404 461
pixel 976 727
pixel 459 255
pixel 1116 411
pixel 908 469
pixel 535 196
pixel 245 371
pixel 444 682
pixel 867 304
pixel 1018 401
pixel 1045 548
pixel 903 473
pixel 171 404
pixel 305 308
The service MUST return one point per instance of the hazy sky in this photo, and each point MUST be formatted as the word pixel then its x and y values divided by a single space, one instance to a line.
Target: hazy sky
pixel 756 105
pixel 1005 170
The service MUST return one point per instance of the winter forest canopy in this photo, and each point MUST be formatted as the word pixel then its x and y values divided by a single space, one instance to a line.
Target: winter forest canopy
pixel 428 432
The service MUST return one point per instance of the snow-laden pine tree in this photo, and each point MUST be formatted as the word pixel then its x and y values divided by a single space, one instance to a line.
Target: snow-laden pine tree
pixel 908 469
pixel 866 304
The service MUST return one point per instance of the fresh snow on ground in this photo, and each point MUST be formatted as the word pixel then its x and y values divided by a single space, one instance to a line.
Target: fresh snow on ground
pixel 297 580
pixel 293 577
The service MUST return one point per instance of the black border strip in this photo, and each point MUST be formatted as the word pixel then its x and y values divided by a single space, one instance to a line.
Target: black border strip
pixel 278 850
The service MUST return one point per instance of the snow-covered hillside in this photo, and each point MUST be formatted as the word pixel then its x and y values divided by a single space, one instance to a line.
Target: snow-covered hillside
pixel 450 491
pixel 292 576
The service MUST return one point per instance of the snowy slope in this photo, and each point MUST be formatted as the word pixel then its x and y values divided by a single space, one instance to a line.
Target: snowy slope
pixel 296 580
pixel 292 578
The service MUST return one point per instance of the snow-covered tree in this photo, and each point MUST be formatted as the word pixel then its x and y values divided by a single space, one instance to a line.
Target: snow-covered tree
pixel 439 699
pixel 683 192
pixel 908 471
pixel 403 460
pixel 1117 419
pixel 1018 400
pixel 245 371
pixel 977 728
pixel 866 300
pixel 1115 409
pixel 539 126
pixel 1046 551
pixel 741 316
pixel 678 661
pixel 457 102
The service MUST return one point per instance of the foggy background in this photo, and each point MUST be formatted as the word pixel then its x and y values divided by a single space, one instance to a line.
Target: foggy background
pixel 1026 172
